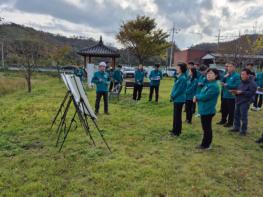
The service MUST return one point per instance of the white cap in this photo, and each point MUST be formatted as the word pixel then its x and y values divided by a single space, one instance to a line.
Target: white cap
pixel 102 64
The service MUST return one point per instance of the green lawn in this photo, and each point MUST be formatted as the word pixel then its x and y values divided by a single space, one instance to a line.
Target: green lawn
pixel 145 161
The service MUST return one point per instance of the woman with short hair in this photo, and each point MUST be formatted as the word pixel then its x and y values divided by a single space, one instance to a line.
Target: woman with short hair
pixel 207 100
pixel 178 97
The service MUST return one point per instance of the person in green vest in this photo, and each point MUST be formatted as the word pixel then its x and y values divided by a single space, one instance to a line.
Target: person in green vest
pixel 207 100
pixel 230 82
pixel 201 80
pixel 178 97
pixel 190 93
pixel 79 72
pixel 197 67
pixel 117 77
pixel 259 97
pixel 189 66
pixel 138 83
pixel 110 70
pixel 101 79
pixel 155 77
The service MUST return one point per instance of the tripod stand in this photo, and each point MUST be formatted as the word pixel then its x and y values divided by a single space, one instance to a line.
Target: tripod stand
pixel 81 110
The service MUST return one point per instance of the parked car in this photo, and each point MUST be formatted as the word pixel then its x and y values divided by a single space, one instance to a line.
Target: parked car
pixel 169 72
pixel 128 72
pixel 68 69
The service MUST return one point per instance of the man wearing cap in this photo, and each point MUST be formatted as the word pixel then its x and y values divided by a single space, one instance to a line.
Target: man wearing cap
pixel 155 76
pixel 101 79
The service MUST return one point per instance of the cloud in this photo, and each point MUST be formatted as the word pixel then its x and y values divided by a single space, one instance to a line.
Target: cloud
pixel 199 20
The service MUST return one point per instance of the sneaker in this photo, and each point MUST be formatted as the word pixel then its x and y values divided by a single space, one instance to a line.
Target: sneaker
pixel 173 134
pixel 204 148
pixel 243 133
pixel 253 108
pixel 106 113
pixel 197 115
pixel 234 130
pixel 208 148
pixel 221 123
pixel 258 109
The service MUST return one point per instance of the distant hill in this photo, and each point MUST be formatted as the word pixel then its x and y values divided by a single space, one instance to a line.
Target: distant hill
pixel 14 31
pixel 11 32
pixel 242 45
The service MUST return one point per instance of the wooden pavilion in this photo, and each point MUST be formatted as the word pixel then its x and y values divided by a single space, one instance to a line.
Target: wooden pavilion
pixel 99 50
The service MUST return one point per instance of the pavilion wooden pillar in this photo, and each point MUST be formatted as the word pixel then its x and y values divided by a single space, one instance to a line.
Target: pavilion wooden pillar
pixel 89 59
pixel 114 62
pixel 85 61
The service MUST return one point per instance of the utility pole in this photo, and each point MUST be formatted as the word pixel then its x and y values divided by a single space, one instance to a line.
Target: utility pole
pixel 218 40
pixel 3 60
pixel 172 46
pixel 174 31
pixel 237 54
pixel 2 48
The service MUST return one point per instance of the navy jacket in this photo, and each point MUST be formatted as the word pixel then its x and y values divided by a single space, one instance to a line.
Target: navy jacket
pixel 248 89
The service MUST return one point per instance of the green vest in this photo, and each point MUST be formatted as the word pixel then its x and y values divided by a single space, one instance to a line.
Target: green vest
pixel 101 79
pixel 139 76
pixel 191 88
pixel 155 77
pixel 232 82
pixel 178 93
pixel 207 98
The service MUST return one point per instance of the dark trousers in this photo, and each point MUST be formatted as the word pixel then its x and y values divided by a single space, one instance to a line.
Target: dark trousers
pixel 189 108
pixel 228 110
pixel 137 91
pixel 258 100
pixel 111 85
pixel 221 98
pixel 241 115
pixel 117 86
pixel 194 107
pixel 206 121
pixel 156 89
pixel 177 118
pixel 98 98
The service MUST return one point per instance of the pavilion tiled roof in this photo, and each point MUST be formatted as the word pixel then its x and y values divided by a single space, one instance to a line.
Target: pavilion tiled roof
pixel 99 50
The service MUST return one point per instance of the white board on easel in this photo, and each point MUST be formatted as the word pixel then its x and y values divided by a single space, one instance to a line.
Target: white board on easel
pixel 74 84
pixel 90 68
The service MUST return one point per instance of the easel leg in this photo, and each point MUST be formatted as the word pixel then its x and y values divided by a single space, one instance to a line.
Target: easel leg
pixel 62 122
pixel 60 109
pixel 66 133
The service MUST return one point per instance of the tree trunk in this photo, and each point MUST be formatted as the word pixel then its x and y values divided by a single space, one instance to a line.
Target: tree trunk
pixel 28 78
pixel 29 88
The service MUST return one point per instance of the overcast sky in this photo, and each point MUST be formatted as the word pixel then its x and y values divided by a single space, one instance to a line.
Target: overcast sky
pixel 197 20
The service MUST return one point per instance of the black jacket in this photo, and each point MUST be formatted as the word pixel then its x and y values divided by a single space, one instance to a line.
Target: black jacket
pixel 248 89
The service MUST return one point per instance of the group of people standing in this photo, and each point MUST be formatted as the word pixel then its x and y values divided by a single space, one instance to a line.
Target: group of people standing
pixel 201 86
pixel 193 85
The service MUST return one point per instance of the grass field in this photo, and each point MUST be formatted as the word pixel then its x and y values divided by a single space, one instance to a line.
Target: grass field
pixel 145 161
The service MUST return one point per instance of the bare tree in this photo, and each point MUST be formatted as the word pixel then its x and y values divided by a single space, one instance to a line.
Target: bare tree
pixel 29 53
